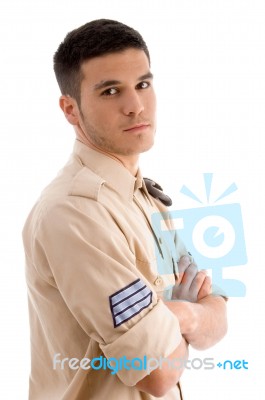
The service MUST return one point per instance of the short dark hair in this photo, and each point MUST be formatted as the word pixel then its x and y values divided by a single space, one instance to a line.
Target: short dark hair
pixel 96 38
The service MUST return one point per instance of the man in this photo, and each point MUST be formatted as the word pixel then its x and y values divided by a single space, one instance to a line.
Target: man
pixel 95 293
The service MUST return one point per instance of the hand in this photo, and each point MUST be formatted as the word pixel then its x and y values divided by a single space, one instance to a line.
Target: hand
pixel 206 288
pixel 192 284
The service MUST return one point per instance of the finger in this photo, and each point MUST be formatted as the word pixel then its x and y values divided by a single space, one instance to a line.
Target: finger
pixel 189 275
pixel 206 288
pixel 183 264
pixel 198 282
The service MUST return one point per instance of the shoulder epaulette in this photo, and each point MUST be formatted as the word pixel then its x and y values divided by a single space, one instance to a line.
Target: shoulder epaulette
pixel 80 186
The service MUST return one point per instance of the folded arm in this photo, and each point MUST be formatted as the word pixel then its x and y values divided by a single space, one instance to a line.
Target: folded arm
pixel 204 323
pixel 162 379
pixel 202 315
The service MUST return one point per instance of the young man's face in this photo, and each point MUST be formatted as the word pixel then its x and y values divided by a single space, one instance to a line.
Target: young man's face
pixel 118 104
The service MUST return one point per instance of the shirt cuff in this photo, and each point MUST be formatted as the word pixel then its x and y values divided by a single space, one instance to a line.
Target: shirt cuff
pixel 156 335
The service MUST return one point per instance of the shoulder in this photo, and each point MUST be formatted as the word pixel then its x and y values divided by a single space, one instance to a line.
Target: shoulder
pixel 75 180
pixel 66 196
pixel 86 183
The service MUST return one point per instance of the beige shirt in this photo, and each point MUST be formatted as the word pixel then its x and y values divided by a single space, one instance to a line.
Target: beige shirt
pixel 94 284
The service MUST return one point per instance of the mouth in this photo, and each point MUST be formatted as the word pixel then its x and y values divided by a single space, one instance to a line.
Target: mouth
pixel 137 127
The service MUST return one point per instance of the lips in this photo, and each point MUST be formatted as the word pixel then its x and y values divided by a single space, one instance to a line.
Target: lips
pixel 137 126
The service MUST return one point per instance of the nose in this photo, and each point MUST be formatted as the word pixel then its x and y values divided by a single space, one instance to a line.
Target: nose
pixel 132 103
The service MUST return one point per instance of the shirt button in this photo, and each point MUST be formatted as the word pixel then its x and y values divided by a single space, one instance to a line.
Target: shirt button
pixel 160 240
pixel 158 281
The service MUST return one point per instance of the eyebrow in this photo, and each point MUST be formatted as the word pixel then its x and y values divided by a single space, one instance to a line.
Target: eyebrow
pixel 104 84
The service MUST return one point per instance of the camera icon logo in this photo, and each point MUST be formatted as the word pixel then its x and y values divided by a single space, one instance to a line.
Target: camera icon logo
pixel 213 234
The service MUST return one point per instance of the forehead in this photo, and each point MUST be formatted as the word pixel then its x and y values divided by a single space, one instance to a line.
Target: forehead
pixel 128 64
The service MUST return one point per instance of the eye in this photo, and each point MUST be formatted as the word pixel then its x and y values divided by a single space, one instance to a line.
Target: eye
pixel 143 85
pixel 109 92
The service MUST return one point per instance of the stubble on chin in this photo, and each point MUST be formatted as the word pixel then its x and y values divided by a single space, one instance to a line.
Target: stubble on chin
pixel 122 148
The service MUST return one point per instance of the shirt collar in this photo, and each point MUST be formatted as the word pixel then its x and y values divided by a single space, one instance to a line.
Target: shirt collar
pixel 113 172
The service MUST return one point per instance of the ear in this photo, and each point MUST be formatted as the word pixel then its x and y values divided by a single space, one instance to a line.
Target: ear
pixel 70 109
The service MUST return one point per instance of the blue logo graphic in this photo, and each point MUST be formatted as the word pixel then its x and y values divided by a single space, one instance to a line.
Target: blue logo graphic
pixel 229 364
pixel 213 234
pixel 142 363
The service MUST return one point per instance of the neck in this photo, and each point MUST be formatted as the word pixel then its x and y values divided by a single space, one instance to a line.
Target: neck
pixel 129 162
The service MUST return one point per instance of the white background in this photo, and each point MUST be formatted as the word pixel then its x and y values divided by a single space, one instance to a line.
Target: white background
pixel 208 58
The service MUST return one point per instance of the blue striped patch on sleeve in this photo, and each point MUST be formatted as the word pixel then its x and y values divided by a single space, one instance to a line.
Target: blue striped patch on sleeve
pixel 129 301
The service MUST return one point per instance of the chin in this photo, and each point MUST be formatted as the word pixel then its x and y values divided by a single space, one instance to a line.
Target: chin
pixel 147 146
pixel 142 146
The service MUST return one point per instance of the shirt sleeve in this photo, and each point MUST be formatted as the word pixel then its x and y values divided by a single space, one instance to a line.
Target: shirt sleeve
pixel 86 257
